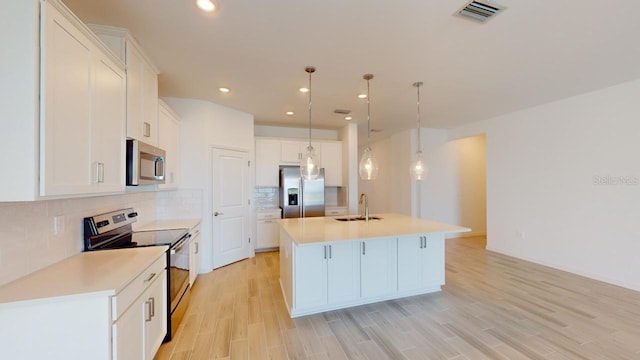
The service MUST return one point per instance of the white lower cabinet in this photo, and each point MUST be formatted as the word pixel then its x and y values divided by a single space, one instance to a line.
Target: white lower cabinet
pixel 326 274
pixel 420 262
pixel 378 267
pixel 267 234
pixel 110 305
pixel 194 258
pixel 139 331
pixel 155 315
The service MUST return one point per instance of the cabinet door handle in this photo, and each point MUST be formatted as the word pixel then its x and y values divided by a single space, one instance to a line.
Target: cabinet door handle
pixel 153 306
pixel 329 251
pixel 151 276
pixel 325 251
pixel 267 221
pixel 218 213
pixel 197 247
pixel 364 247
pixel 101 172
pixel 147 316
pixel 425 242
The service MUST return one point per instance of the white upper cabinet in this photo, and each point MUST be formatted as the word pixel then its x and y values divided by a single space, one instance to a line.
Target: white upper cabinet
pixel 82 111
pixel 169 141
pixel 291 152
pixel 331 161
pixel 142 83
pixel 271 153
pixel 267 162
pixel 63 96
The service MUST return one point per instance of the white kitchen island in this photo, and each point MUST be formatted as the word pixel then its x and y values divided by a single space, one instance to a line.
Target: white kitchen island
pixel 327 264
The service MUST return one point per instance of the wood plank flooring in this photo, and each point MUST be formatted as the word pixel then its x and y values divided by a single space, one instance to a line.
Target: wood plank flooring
pixel 492 307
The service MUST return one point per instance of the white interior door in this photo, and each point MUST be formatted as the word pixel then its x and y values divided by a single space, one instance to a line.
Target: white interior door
pixel 230 210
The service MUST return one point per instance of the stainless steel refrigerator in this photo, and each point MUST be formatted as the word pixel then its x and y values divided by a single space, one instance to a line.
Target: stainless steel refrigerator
pixel 298 197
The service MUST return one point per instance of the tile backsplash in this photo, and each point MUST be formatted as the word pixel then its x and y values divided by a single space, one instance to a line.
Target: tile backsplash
pixel 265 197
pixel 34 235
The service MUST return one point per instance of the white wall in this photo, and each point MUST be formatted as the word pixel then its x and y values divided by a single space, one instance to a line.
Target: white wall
pixel 542 202
pixel 378 191
pixel 205 125
pixel 455 188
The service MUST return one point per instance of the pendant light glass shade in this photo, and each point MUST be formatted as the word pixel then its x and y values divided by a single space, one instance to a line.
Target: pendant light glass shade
pixel 368 166
pixel 309 167
pixel 418 168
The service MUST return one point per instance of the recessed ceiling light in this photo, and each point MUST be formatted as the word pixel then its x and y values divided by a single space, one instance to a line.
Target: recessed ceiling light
pixel 362 96
pixel 206 5
pixel 290 113
pixel 348 118
pixel 224 90
pixel 304 90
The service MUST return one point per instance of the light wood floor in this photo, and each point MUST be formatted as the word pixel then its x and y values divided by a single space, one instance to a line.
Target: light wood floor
pixel 492 307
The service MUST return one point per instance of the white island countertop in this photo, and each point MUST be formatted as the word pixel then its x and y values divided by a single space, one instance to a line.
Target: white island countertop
pixel 315 230
pixel 104 272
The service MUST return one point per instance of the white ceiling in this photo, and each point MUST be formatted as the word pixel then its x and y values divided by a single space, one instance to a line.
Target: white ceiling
pixel 533 53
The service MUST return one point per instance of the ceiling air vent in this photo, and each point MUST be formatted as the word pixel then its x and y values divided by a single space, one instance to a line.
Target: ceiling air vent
pixel 480 11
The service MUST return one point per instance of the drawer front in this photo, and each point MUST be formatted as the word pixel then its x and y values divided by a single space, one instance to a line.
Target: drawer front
pixel 268 215
pixel 121 302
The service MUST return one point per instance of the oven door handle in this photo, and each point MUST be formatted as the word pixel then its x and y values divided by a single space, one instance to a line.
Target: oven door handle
pixel 180 244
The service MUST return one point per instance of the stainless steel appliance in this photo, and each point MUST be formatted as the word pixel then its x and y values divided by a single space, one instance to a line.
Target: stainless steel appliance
pixel 113 231
pixel 299 197
pixel 145 164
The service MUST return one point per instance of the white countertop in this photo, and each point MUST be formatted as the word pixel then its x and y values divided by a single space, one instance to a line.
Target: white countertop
pixel 168 225
pixel 326 229
pixel 103 272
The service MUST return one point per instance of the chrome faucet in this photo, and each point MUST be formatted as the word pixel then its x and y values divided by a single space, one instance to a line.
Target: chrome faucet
pixel 364 200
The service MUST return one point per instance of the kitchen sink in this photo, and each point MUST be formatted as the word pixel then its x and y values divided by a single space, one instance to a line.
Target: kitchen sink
pixel 358 218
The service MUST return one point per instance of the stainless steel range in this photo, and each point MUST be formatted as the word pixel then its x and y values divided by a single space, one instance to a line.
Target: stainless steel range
pixel 113 231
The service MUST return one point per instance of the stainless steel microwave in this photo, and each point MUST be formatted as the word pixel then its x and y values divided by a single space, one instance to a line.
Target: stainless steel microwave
pixel 145 164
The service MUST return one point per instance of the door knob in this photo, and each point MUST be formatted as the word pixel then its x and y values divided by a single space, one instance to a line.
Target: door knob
pixel 218 213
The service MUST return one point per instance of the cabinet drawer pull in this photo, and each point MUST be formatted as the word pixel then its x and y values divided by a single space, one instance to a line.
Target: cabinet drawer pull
pixel 151 276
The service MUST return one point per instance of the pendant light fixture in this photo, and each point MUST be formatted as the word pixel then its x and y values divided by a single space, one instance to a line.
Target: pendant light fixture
pixel 309 167
pixel 368 167
pixel 418 167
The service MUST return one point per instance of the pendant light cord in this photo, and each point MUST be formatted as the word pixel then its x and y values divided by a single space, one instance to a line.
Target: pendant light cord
pixel 309 108
pixel 368 116
pixel 419 127
pixel 418 85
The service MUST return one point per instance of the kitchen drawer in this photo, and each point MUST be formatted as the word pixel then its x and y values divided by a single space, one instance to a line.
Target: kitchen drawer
pixel 267 215
pixel 126 296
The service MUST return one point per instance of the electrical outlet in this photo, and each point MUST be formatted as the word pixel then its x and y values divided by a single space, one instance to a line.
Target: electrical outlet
pixel 58 224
